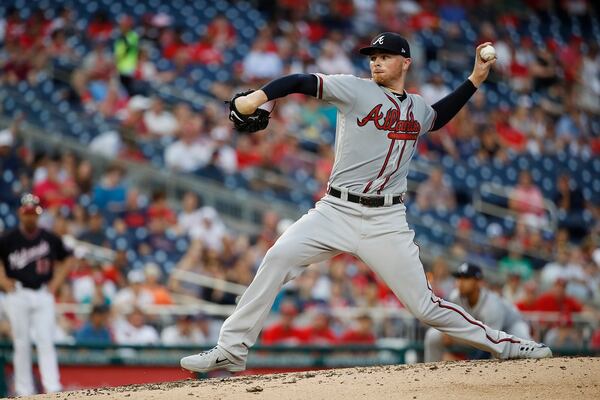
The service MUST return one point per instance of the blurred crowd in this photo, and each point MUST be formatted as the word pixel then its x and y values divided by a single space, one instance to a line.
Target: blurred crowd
pixel 543 99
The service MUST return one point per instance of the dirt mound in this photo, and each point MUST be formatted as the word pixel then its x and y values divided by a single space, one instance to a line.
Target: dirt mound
pixel 557 378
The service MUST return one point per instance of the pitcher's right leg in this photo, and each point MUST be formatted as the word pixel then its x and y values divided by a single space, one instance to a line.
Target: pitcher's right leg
pixel 395 258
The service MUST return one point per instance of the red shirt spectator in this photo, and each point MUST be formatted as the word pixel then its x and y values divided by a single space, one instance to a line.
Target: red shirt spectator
pixel 54 192
pixel 247 154
pixel 205 53
pixel 221 31
pixel 557 301
pixel 284 332
pixel 100 28
pixel 160 208
pixel 595 340
pixel 362 334
pixel 549 301
pixel 319 332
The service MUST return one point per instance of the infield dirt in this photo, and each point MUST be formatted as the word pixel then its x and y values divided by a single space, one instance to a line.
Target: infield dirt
pixel 556 378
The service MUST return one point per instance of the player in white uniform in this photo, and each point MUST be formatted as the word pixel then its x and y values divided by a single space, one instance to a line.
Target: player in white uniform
pixel 378 125
pixel 483 304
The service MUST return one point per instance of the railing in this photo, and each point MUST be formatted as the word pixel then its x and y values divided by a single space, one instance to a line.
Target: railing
pixel 240 209
pixel 501 191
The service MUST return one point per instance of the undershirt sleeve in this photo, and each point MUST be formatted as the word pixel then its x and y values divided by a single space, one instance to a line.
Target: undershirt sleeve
pixel 450 105
pixel 296 83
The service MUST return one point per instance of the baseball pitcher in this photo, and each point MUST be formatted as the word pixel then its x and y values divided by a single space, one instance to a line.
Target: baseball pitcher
pixel 363 213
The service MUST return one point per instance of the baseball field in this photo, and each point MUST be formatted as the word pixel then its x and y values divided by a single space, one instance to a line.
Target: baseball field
pixel 556 378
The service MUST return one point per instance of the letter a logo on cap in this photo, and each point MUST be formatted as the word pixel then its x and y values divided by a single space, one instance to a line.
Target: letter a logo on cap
pixel 379 40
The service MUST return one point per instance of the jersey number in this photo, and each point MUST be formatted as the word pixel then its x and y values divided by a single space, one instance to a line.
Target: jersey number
pixel 42 266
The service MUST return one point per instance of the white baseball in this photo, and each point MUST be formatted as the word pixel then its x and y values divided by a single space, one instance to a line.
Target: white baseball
pixel 487 53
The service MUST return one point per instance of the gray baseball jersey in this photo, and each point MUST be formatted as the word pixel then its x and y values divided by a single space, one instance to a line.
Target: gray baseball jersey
pixel 376 133
pixel 493 310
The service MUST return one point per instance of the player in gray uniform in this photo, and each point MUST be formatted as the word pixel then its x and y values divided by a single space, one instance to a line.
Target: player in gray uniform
pixel 378 125
pixel 483 304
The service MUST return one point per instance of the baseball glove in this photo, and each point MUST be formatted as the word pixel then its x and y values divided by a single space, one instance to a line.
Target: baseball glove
pixel 245 123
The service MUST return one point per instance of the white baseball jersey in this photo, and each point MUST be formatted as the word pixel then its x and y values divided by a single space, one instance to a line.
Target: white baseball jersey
pixel 376 134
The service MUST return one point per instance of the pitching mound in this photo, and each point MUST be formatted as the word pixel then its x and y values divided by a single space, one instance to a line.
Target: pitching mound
pixel 557 378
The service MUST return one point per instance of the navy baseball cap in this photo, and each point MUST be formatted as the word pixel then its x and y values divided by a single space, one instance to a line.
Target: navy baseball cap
pixel 467 270
pixel 388 42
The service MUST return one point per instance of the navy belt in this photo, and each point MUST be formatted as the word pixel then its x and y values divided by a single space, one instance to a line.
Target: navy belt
pixel 367 201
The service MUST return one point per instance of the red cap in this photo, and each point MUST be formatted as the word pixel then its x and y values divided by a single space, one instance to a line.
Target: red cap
pixel 30 204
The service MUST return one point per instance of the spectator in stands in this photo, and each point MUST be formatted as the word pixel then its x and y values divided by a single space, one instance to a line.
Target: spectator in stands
pixel 594 343
pixel 222 32
pixel 160 294
pixel 135 214
pixel 133 124
pixel 435 89
pixel 225 154
pixel 110 193
pixel 261 63
pixel 571 204
pixel 53 191
pixel 516 263
pixel 192 151
pixel 556 300
pixel 96 329
pixel 91 79
pixel 210 231
pixel 439 278
pixel 530 295
pixel 205 52
pixel 95 232
pixel 361 333
pixel 133 295
pixel 527 200
pixel 560 268
pixel 513 287
pixel 135 330
pixel 588 80
pixel 319 332
pixel 11 165
pixel 434 193
pixel 563 335
pixel 284 332
pixel 190 215
pixel 159 208
pixel 100 26
pixel 159 121
pixel 127 50
pixel 183 333
pixel 333 59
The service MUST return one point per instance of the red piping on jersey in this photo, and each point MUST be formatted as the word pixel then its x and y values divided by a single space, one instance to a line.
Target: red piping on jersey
pixel 394 171
pixel 408 113
pixel 320 92
pixel 476 323
pixel 387 159
pixel 433 122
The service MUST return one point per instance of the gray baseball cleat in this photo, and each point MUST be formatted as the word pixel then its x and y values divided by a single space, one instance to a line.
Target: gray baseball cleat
pixel 531 349
pixel 211 360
